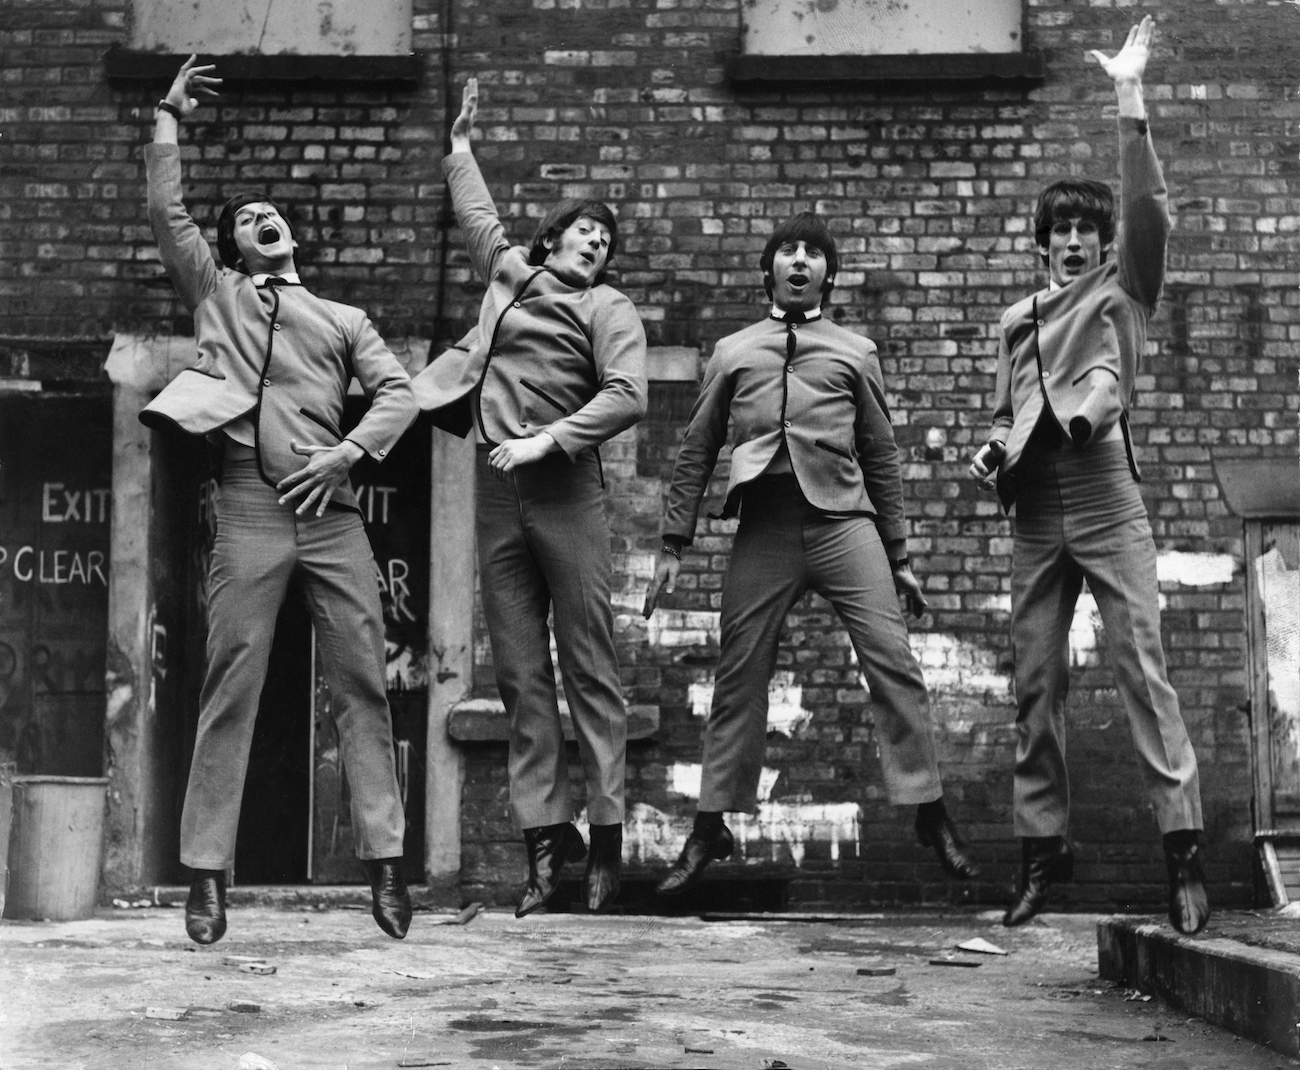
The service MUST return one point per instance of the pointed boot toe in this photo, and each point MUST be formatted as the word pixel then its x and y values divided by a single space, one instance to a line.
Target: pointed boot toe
pixel 694 859
pixel 549 848
pixel 205 907
pixel 1048 860
pixel 390 898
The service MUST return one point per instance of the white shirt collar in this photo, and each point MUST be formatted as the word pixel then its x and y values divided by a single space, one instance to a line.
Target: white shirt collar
pixel 810 314
pixel 288 276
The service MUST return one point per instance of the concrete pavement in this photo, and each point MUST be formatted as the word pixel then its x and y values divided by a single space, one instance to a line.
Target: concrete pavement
pixel 576 991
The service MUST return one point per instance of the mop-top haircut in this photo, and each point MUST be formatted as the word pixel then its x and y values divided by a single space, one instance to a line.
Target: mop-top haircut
pixel 226 246
pixel 1075 197
pixel 561 217
pixel 811 229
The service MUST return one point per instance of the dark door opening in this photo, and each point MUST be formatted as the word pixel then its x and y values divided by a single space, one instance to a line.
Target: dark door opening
pixel 271 845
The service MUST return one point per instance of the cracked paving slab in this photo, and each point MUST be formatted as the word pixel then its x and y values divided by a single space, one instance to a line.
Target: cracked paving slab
pixel 577 991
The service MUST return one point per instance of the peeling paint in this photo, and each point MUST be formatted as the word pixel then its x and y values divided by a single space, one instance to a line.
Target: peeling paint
pixel 781 831
pixel 785 709
pixel 1195 570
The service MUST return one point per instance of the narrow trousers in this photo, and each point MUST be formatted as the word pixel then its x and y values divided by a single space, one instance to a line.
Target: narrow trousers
pixel 260 546
pixel 1079 516
pixel 783 548
pixel 543 543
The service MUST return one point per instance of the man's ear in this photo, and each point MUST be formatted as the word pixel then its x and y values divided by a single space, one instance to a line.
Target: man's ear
pixel 548 241
pixel 828 283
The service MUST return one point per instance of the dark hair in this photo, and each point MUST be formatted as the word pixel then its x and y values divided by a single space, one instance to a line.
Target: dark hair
pixel 811 229
pixel 561 217
pixel 226 225
pixel 1071 197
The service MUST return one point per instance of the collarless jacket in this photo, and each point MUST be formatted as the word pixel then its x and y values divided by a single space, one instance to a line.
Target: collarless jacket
pixel 280 353
pixel 1073 352
pixel 546 357
pixel 826 404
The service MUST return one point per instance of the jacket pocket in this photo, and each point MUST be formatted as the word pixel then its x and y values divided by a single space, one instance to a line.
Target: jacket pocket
pixel 833 449
pixel 544 396
pixel 322 422
pixel 1094 368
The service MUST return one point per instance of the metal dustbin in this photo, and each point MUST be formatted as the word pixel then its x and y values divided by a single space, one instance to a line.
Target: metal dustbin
pixel 55 844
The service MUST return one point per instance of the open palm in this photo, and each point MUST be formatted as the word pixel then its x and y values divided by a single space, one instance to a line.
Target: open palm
pixel 1130 62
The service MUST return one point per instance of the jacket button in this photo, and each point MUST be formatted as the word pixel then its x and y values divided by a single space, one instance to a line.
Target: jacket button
pixel 383 453
pixel 1042 323
pixel 266 382
pixel 789 367
pixel 787 423
pixel 275 326
pixel 519 304
pixel 1046 374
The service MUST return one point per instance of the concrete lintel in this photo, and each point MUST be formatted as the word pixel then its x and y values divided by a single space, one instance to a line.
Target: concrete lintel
pixel 1252 991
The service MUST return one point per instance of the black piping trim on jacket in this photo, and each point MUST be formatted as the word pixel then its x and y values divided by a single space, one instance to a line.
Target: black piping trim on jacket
pixel 261 385
pixel 1095 368
pixel 543 395
pixel 833 449
pixel 322 422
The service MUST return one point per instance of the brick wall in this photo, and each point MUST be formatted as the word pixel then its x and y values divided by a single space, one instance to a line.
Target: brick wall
pixel 928 190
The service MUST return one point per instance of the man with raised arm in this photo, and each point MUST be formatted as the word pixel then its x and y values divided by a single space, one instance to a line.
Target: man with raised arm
pixel 1064 459
pixel 274 364
pixel 816 480
pixel 555 368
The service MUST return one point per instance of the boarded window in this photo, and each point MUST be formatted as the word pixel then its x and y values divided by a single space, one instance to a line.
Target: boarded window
pixel 273 27
pixel 881 27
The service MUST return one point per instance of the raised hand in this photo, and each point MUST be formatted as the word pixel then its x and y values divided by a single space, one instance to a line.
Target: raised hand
pixel 463 128
pixel 1130 62
pixel 192 81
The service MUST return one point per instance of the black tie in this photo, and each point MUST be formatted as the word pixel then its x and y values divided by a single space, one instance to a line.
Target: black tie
pixel 275 280
pixel 792 320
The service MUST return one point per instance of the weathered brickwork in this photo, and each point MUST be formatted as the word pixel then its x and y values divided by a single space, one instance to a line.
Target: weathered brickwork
pixel 928 189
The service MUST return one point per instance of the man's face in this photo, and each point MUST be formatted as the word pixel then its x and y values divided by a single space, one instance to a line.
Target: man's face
pixel 263 238
pixel 798 273
pixel 579 254
pixel 1074 248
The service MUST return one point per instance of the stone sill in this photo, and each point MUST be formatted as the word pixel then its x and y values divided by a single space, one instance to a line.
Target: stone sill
pixel 126 65
pixel 484 720
pixel 938 67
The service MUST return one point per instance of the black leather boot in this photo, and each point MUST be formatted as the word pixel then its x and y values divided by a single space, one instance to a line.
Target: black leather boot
pixel 205 907
pixel 699 851
pixel 389 895
pixel 1189 906
pixel 604 864
pixel 934 828
pixel 1048 860
pixel 549 847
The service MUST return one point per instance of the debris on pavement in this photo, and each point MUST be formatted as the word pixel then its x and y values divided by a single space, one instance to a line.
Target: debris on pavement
pixel 954 962
pixel 241 960
pixel 877 971
pixel 980 946
pixel 775 1064
pixel 167 1014
pixel 699 1051
pixel 1136 994
pixel 1157 1036
pixel 467 914
pixel 242 1006
pixel 132 904
pixel 250 1060
pixel 421 1060
pixel 261 969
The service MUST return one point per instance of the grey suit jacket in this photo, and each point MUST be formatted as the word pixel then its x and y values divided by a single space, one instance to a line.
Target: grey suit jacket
pixel 826 405
pixel 281 353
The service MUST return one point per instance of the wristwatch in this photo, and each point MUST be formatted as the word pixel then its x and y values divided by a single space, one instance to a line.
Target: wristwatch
pixel 901 563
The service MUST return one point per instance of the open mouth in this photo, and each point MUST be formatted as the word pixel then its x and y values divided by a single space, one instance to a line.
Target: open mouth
pixel 1073 263
pixel 268 235
pixel 797 279
pixel 587 258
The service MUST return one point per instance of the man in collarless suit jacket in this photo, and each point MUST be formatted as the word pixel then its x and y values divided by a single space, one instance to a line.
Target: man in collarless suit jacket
pixel 1061 447
pixel 815 478
pixel 274 364
pixel 555 367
